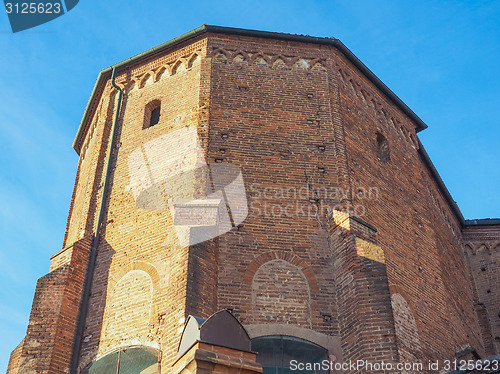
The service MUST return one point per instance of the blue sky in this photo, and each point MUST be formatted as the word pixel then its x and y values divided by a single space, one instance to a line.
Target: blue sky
pixel 440 57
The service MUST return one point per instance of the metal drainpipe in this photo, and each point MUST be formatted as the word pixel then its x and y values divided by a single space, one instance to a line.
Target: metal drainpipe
pixel 95 240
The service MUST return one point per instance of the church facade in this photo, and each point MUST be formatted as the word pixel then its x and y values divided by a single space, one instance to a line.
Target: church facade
pixel 243 191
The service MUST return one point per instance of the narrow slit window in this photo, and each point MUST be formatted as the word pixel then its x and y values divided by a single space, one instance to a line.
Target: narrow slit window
pixel 155 116
pixel 383 148
pixel 152 114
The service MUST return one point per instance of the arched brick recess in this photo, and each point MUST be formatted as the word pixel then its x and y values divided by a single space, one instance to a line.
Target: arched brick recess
pixel 128 311
pixel 148 268
pixel 259 56
pixel 285 60
pixel 136 265
pixel 243 54
pixel 280 294
pixel 303 265
pixel 219 51
pixel 406 330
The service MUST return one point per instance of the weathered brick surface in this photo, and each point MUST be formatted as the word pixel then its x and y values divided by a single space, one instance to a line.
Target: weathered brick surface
pixel 482 249
pixel 205 358
pixel 410 349
pixel 348 234
pixel 145 234
pixel 271 115
pixel 14 358
pixel 416 228
pixel 50 334
pixel 280 294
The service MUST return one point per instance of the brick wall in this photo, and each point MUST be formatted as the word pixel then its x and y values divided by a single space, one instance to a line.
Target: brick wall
pixel 51 331
pixel 416 228
pixel 365 315
pixel 270 115
pixel 280 294
pixel 297 116
pixel 482 249
pixel 140 230
pixel 342 211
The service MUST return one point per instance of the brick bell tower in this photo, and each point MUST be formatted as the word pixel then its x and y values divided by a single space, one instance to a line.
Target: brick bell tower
pixel 270 176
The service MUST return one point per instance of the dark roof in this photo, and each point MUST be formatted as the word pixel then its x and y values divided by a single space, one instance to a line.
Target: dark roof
pixel 482 221
pixel 221 328
pixel 444 190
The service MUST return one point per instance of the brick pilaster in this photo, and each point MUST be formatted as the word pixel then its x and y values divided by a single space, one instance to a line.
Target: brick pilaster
pixel 365 312
pixel 49 340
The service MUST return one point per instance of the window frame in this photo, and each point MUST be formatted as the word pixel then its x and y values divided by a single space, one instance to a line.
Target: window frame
pixel 290 339
pixel 148 113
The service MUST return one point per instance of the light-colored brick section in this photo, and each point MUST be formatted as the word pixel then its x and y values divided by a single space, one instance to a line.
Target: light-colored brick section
pixel 129 312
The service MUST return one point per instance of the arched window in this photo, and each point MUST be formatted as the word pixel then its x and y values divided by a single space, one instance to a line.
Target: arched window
pixel 129 360
pixel 152 113
pixel 383 148
pixel 281 354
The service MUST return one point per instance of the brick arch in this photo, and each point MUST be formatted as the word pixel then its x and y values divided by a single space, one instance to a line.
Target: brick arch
pixel 469 248
pixel 243 54
pixel 164 69
pixel 482 247
pixel 397 289
pixel 144 79
pixel 180 63
pixel 280 294
pixel 218 51
pixel 317 64
pixel 384 113
pixel 255 56
pixel 285 60
pixel 129 85
pixel 343 76
pixel 303 265
pixel 193 57
pixel 302 63
pixel 147 267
